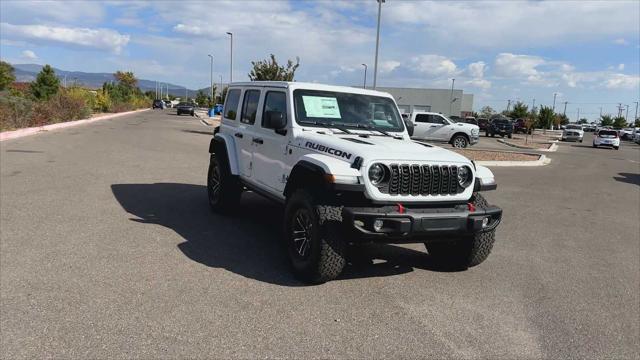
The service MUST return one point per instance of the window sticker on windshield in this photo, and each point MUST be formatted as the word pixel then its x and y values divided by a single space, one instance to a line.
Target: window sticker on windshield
pixel 321 107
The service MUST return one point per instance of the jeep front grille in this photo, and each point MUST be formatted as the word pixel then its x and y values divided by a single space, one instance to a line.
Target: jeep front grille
pixel 413 179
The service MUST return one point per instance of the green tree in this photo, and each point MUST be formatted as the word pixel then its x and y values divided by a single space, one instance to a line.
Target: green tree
pixel 583 121
pixel 637 123
pixel 606 120
pixel 619 122
pixel 126 79
pixel 270 70
pixel 546 117
pixel 6 75
pixel 46 85
pixel 520 110
pixel 201 98
pixel 223 95
pixel 563 119
pixel 487 111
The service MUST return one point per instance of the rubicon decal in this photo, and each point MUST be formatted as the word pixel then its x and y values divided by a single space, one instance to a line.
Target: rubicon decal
pixel 328 150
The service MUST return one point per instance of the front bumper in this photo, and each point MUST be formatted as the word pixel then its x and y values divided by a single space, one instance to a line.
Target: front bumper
pixel 474 139
pixel 418 225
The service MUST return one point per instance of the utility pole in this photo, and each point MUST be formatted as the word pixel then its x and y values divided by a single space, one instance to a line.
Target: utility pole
pixel 375 65
pixel 554 102
pixel 636 114
pixel 565 108
pixel 533 106
pixel 508 104
pixel 453 81
pixel 619 109
pixel 626 117
pixel 364 83
pixel 231 59
pixel 578 119
pixel 211 73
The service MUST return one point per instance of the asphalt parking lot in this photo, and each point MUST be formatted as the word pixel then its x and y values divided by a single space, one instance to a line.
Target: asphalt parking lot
pixel 108 250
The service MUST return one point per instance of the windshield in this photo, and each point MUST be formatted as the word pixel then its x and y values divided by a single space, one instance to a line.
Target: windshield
pixel 574 127
pixel 184 104
pixel 346 110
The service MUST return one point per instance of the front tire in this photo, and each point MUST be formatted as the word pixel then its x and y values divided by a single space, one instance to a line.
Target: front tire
pixel 223 189
pixel 617 147
pixel 459 141
pixel 509 136
pixel 469 251
pixel 316 252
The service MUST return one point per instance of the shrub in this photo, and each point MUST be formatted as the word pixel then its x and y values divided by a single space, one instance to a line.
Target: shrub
pixel 15 112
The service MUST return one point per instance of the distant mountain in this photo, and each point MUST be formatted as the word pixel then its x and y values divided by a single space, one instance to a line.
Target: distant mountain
pixel 28 73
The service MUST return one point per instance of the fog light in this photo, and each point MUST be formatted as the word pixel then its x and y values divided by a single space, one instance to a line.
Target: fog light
pixel 377 225
pixel 485 222
pixel 358 223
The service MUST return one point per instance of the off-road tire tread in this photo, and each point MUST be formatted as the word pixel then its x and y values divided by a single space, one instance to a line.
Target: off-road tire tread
pixel 231 190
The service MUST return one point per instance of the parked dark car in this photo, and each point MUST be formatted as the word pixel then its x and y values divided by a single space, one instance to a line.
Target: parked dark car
pixel 500 125
pixel 482 123
pixel 520 126
pixel 185 108
pixel 470 120
pixel 158 104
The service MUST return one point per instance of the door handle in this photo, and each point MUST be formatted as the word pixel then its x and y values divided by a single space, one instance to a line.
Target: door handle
pixel 238 135
pixel 433 125
pixel 258 141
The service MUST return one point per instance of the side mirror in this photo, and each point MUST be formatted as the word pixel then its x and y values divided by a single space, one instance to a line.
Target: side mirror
pixel 409 125
pixel 275 120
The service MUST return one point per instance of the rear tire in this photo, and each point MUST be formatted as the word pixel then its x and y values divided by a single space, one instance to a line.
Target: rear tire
pixel 469 251
pixel 510 136
pixel 617 147
pixel 316 251
pixel 223 188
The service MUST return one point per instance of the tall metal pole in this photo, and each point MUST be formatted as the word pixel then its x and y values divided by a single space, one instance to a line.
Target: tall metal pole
pixel 578 119
pixel 211 73
pixel 565 109
pixel 636 114
pixel 375 65
pixel 508 104
pixel 231 59
pixel 554 102
pixel 364 83
pixel 453 81
pixel 626 117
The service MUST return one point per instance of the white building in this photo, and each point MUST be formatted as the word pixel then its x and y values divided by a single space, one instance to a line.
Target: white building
pixel 436 100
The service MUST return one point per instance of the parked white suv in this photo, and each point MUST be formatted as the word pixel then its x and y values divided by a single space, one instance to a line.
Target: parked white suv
pixel 341 161
pixel 432 126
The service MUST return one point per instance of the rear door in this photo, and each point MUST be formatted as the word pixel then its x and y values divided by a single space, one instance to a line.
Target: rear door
pixel 270 146
pixel 421 126
pixel 246 129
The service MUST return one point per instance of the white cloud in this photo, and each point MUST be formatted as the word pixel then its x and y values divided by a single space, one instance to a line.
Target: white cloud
pixel 476 69
pixel 479 83
pixel 105 39
pixel 508 64
pixel 388 66
pixel 433 65
pixel 513 23
pixel 620 67
pixel 622 81
pixel 29 55
pixel 620 41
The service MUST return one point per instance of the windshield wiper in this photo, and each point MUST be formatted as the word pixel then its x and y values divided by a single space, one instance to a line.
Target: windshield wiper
pixel 372 127
pixel 326 125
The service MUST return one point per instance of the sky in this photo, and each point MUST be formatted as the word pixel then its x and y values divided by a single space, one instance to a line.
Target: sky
pixel 585 52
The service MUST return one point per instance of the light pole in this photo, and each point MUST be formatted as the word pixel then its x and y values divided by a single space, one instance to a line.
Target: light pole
pixel 375 65
pixel 636 115
pixel 453 81
pixel 626 117
pixel 553 109
pixel 578 119
pixel 508 104
pixel 231 59
pixel 364 83
pixel 211 73
pixel 565 108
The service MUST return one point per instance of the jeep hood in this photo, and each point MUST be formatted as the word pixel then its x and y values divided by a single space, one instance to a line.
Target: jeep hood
pixel 373 147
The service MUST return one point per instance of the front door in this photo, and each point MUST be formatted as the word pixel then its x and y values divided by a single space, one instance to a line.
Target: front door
pixel 270 148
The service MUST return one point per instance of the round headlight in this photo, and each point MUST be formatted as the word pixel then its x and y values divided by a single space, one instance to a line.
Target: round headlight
pixel 377 173
pixel 464 176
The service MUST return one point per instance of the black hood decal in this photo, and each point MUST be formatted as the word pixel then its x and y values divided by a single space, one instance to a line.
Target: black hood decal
pixel 328 150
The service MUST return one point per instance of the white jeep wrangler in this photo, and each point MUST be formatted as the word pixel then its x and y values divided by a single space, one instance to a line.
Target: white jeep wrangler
pixel 341 161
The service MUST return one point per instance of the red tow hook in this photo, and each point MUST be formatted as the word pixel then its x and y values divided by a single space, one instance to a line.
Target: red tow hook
pixel 400 209
pixel 472 207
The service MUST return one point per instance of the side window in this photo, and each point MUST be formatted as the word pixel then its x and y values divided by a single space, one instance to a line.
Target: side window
pixel 423 118
pixel 231 104
pixel 274 101
pixel 250 106
pixel 436 119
